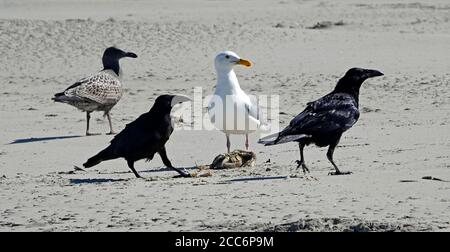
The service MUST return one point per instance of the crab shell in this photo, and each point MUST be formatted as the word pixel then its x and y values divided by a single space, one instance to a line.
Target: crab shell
pixel 235 159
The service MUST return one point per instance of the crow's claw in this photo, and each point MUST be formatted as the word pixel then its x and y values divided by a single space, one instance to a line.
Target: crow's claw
pixel 302 164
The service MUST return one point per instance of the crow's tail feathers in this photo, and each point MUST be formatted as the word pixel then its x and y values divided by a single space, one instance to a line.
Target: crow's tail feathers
pixel 277 139
pixel 103 155
pixel 290 138
pixel 269 140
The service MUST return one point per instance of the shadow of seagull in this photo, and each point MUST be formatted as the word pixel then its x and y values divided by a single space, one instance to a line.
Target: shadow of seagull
pixel 40 139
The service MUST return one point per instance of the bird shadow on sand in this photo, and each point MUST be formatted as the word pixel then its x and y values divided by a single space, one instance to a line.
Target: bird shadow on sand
pixel 165 169
pixel 151 170
pixel 255 179
pixel 40 139
pixel 95 181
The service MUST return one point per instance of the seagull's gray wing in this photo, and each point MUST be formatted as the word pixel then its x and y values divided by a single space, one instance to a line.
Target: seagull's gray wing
pixel 254 110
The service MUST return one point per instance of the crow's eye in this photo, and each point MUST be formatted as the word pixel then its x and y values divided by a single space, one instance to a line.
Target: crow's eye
pixel 227 56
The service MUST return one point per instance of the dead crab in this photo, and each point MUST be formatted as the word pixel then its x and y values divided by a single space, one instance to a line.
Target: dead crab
pixel 235 159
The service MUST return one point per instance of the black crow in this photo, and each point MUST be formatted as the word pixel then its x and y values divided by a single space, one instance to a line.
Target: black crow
pixel 144 137
pixel 99 92
pixel 324 120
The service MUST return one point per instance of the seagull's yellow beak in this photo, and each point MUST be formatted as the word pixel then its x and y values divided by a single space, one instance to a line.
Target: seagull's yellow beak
pixel 244 62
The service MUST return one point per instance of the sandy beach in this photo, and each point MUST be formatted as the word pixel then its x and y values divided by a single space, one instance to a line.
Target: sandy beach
pixel 402 136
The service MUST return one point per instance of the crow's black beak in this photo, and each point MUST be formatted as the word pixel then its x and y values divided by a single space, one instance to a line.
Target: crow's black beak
pixel 130 55
pixel 373 73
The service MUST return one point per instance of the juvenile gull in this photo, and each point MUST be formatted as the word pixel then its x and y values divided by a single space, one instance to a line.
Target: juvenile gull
pixel 231 110
pixel 325 120
pixel 99 92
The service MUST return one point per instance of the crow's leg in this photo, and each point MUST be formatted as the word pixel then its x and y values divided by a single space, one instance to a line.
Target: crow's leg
pixel 131 165
pixel 301 162
pixel 167 163
pixel 111 131
pixel 246 141
pixel 228 143
pixel 330 158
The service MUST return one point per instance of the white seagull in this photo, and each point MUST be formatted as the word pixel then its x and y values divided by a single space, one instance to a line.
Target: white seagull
pixel 231 110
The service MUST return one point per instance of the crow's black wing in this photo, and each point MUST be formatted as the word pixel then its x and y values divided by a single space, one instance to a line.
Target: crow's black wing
pixel 336 112
pixel 137 139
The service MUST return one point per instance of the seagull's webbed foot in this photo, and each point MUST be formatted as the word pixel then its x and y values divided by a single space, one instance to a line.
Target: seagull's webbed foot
pixel 302 164
pixel 340 173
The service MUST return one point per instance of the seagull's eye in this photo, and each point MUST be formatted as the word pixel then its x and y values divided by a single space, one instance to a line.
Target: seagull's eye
pixel 227 56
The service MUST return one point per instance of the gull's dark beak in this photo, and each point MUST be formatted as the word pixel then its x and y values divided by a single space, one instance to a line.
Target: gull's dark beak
pixel 177 99
pixel 372 73
pixel 130 55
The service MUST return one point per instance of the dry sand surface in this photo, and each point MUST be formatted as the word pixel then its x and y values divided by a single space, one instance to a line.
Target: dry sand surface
pixel 403 133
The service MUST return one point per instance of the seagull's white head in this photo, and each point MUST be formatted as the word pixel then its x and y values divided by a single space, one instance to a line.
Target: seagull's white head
pixel 225 61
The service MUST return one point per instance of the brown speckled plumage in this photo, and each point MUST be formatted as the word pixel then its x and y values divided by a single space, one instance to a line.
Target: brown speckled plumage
pixel 99 92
